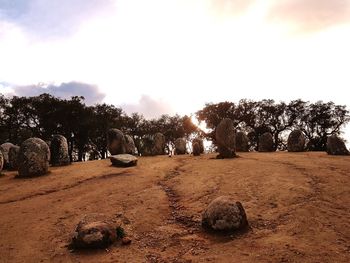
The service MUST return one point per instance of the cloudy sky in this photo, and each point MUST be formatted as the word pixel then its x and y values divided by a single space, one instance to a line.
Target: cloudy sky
pixel 156 56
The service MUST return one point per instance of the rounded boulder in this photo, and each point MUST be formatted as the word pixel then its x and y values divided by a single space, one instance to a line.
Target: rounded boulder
pixel 296 141
pixel 180 146
pixel 266 143
pixel 116 142
pixel 336 146
pixel 13 157
pixel 59 151
pixel 33 158
pixel 224 214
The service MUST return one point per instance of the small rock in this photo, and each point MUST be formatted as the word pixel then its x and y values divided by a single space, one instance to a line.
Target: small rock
pixel 123 160
pixel 93 231
pixel 126 241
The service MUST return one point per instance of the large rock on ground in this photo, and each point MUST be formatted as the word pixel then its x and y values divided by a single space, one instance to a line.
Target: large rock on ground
pixel 33 158
pixel 130 147
pixel 242 142
pixel 116 142
pixel 200 143
pixel 158 144
pixel 266 143
pixel 296 141
pixel 5 148
pixel 13 157
pixel 225 139
pixel 196 149
pixel 336 146
pixel 1 161
pixel 224 214
pixel 180 146
pixel 59 151
pixel 123 160
pixel 94 231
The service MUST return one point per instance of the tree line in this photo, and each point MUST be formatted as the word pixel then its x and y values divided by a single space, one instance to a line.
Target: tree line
pixel 316 120
pixel 85 127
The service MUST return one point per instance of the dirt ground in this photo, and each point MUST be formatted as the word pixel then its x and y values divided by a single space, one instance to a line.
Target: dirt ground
pixel 297 206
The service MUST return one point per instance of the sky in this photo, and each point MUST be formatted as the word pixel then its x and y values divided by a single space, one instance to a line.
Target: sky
pixel 156 56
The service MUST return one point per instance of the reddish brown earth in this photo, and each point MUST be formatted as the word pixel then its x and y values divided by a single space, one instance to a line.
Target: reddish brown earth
pixel 297 205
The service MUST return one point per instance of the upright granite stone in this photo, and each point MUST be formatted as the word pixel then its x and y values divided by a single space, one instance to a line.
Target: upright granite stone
pixel 129 145
pixel 200 143
pixel 1 161
pixel 225 139
pixel 224 214
pixel 336 146
pixel 13 157
pixel 242 142
pixel 196 149
pixel 266 143
pixel 296 141
pixel 180 146
pixel 116 142
pixel 158 144
pixel 33 158
pixel 59 151
pixel 5 148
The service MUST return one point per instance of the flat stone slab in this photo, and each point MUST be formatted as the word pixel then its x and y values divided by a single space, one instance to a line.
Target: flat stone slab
pixel 123 160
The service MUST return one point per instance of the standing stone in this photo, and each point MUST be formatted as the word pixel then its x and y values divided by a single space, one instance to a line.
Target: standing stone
pixel 336 146
pixel 129 145
pixel 1 161
pixel 242 142
pixel 296 141
pixel 225 139
pixel 180 146
pixel 59 151
pixel 266 143
pixel 196 149
pixel 200 143
pixel 33 158
pixel 224 214
pixel 5 148
pixel 116 142
pixel 13 157
pixel 158 144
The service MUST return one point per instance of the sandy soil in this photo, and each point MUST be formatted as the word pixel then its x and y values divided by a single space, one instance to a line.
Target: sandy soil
pixel 297 206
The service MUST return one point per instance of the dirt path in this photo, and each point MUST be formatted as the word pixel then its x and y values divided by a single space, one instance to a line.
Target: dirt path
pixel 297 207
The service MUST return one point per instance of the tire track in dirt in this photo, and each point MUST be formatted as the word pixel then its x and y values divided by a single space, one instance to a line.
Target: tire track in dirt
pixel 55 190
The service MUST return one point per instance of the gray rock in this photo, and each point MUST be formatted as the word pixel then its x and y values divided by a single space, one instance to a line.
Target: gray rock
pixel 1 161
pixel 116 142
pixel 296 141
pixel 242 142
pixel 13 157
pixel 33 158
pixel 266 143
pixel 196 149
pixel 5 148
pixel 94 231
pixel 123 160
pixel 180 146
pixel 59 151
pixel 224 214
pixel 158 144
pixel 336 146
pixel 200 143
pixel 225 139
pixel 130 147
